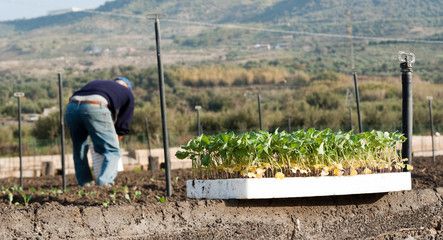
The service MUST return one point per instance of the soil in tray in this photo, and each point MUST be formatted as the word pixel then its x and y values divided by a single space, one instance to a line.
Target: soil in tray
pixel 48 190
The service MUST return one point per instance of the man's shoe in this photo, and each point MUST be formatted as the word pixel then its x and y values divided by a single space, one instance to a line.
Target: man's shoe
pixel 89 184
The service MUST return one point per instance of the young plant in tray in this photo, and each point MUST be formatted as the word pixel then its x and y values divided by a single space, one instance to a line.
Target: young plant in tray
pixel 300 153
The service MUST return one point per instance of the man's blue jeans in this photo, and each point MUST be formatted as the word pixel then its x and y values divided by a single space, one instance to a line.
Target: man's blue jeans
pixel 85 120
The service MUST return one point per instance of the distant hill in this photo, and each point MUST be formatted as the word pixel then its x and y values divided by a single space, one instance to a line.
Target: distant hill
pixel 120 28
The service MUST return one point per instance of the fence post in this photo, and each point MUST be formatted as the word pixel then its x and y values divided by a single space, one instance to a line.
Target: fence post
pixel 19 95
pixel 199 129
pixel 406 61
pixel 431 121
pixel 156 16
pixel 62 129
pixel 357 99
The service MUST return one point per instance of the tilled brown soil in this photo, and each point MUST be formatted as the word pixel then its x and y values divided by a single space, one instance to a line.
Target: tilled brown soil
pixel 80 212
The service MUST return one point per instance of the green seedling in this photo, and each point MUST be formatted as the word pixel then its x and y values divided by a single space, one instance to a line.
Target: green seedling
pixel 113 195
pixel 5 190
pixel 152 180
pixel 125 189
pixel 136 195
pixel 32 190
pixel 15 188
pixel 161 199
pixel 127 197
pixel 67 190
pixel 137 170
pixel 80 193
pixel 92 193
pixel 299 153
pixel 10 198
pixel 26 198
pixel 54 191
pixel 59 191
pixel 43 191
pixel 105 203
pixel 175 180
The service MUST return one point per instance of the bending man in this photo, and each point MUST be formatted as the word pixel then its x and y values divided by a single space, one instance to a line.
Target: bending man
pixel 103 110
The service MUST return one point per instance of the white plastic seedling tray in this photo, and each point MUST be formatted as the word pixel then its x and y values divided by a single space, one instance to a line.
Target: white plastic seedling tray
pixel 292 187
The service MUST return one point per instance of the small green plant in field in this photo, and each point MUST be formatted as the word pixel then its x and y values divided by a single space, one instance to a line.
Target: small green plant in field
pixel 175 180
pixel 80 193
pixel 26 198
pixel 105 203
pixel 137 170
pixel 54 191
pixel 161 199
pixel 136 195
pixel 10 198
pixel 42 191
pixel 125 189
pixel 113 195
pixel 5 190
pixel 128 197
pixel 152 180
pixel 32 190
pixel 15 188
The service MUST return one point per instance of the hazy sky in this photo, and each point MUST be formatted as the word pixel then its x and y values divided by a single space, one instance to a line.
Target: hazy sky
pixel 17 9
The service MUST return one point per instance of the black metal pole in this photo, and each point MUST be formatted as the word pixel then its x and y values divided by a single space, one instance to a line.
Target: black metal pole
pixel 62 129
pixel 259 111
pixel 19 95
pixel 357 99
pixel 432 127
pixel 163 108
pixel 406 77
